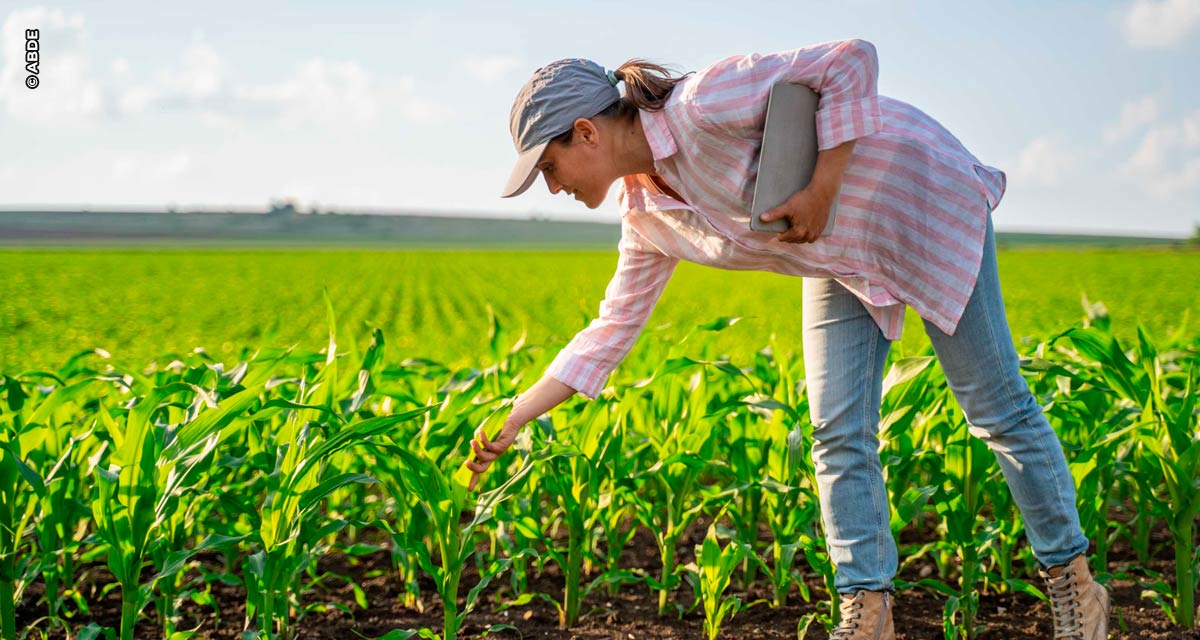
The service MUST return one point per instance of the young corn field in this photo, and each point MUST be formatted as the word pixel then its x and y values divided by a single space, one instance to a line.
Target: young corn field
pixel 206 497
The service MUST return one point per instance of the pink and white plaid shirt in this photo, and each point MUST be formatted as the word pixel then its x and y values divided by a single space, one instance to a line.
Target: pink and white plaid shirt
pixel 911 216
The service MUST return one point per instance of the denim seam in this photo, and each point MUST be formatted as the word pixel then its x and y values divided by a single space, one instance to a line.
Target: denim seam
pixel 1039 438
pixel 874 448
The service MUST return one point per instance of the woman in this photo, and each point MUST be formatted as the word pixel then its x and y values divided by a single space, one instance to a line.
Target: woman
pixel 913 229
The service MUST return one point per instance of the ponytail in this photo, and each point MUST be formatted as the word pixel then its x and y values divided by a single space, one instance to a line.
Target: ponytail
pixel 647 86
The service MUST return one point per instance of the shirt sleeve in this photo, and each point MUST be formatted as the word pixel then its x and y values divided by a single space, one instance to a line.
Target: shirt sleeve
pixel 731 95
pixel 591 356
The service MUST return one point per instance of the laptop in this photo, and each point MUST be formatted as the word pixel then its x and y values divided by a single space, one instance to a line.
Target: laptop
pixel 788 156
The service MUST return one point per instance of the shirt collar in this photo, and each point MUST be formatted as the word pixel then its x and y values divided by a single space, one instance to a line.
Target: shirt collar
pixel 658 135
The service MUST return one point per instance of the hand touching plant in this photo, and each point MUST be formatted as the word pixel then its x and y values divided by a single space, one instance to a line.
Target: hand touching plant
pixel 487 450
pixel 488 444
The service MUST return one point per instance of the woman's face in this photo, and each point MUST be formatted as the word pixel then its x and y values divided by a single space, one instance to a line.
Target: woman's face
pixel 583 168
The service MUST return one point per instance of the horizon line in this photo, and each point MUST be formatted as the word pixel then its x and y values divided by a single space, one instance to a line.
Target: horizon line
pixel 476 214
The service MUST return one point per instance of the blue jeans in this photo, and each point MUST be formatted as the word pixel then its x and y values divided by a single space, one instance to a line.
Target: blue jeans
pixel 844 352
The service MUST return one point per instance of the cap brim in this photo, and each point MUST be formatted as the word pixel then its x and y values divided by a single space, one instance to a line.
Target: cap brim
pixel 525 171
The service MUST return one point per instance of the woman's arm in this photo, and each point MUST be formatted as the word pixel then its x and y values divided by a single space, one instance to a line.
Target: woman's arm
pixel 807 210
pixel 543 396
pixel 586 362
pixel 642 274
pixel 730 96
pixel 831 165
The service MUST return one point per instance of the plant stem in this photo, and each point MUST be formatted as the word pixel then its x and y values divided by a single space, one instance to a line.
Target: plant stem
pixel 668 564
pixel 970 566
pixel 1106 480
pixel 53 598
pixel 268 616
pixel 571 588
pixel 1185 564
pixel 128 611
pixel 750 569
pixel 450 608
pixel 781 573
pixel 452 574
pixel 1141 542
pixel 8 622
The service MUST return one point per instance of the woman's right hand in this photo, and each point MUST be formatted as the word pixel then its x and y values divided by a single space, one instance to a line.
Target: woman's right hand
pixel 543 396
pixel 486 451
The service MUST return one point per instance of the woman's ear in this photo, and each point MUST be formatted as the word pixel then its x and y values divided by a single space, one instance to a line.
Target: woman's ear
pixel 585 130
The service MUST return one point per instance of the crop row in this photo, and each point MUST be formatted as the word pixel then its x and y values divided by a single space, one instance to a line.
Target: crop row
pixel 276 461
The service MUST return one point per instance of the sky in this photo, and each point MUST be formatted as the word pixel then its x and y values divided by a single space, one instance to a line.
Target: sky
pixel 1091 108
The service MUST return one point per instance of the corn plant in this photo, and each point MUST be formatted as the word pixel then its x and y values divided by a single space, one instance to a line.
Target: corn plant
pixel 322 452
pixel 1097 439
pixel 681 439
pixel 960 501
pixel 710 576
pixel 616 506
pixel 443 498
pixel 290 525
pixel 748 446
pixel 1171 443
pixel 817 557
pixel 911 393
pixel 16 510
pixel 150 469
pixel 56 464
pixel 288 529
pixel 791 506
pixel 574 479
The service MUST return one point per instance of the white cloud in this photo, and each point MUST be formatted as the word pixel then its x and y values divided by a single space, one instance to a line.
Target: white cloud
pixel 137 99
pixel 1160 24
pixel 200 74
pixel 1045 161
pixel 1166 162
pixel 150 168
pixel 123 167
pixel 1134 115
pixel 1191 129
pixel 317 91
pixel 66 92
pixel 492 68
pixel 1151 153
pixel 197 82
pixel 175 165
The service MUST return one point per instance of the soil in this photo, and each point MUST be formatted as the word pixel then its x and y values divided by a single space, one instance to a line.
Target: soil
pixel 631 615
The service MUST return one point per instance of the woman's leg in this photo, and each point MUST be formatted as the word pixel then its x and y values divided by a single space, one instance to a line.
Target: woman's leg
pixel 844 353
pixel 981 366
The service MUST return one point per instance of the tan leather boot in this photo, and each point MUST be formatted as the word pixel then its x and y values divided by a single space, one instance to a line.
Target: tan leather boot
pixel 1080 605
pixel 867 615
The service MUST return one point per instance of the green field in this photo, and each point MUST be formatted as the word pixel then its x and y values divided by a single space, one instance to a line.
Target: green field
pixel 142 304
pixel 318 491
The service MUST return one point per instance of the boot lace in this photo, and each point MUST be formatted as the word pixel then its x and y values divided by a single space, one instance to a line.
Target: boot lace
pixel 850 616
pixel 1064 602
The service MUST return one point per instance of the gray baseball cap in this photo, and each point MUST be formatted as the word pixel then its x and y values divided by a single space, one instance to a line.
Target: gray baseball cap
pixel 548 105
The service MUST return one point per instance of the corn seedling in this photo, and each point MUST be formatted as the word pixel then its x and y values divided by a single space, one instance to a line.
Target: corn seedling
pixel 710 575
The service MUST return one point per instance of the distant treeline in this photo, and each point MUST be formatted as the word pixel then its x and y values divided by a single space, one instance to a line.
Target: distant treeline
pixel 286 225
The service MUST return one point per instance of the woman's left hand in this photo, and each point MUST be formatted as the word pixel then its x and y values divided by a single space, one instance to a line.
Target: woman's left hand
pixel 807 211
